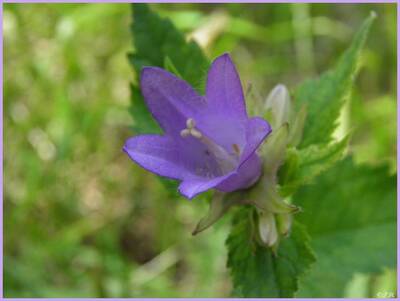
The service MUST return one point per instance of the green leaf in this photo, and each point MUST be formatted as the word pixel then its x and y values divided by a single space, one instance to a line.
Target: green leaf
pixel 325 96
pixel 255 270
pixel 302 166
pixel 156 39
pixel 350 213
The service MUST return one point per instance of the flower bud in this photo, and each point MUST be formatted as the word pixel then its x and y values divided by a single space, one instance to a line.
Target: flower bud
pixel 278 101
pixel 267 228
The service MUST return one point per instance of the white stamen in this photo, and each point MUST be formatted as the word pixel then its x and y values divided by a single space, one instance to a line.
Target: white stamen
pixel 185 133
pixel 190 123
pixel 195 133
pixel 191 130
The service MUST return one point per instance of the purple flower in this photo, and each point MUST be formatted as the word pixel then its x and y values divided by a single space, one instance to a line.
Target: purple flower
pixel 209 141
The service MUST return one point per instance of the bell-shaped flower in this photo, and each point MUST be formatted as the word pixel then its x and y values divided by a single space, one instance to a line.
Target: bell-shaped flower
pixel 209 141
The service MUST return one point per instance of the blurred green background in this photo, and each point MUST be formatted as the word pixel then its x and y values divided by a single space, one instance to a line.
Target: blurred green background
pixel 80 219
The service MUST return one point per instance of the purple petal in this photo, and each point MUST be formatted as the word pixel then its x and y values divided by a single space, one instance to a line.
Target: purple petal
pixel 157 154
pixel 224 91
pixel 256 131
pixel 243 178
pixel 170 99
pixel 171 158
pixel 224 130
pixel 225 118
pixel 193 186
pixel 247 174
pixel 249 169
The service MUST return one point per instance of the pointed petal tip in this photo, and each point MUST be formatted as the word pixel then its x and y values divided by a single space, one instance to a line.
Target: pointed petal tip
pixel 263 127
pixel 125 147
pixel 226 55
pixel 223 57
pixel 150 71
pixel 224 89
pixel 265 124
pixel 258 130
pixel 187 194
pixel 147 70
pixel 191 187
pixel 144 70
pixel 145 74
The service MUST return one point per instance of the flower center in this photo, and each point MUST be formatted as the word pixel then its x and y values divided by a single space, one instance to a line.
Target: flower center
pixel 226 161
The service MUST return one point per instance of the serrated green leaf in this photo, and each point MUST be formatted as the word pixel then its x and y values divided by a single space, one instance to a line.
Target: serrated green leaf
pixel 156 38
pixel 325 96
pixel 302 166
pixel 350 214
pixel 255 270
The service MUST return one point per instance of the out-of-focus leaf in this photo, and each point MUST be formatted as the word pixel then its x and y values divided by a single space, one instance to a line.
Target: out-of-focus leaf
pixel 255 270
pixel 350 213
pixel 375 133
pixel 325 96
